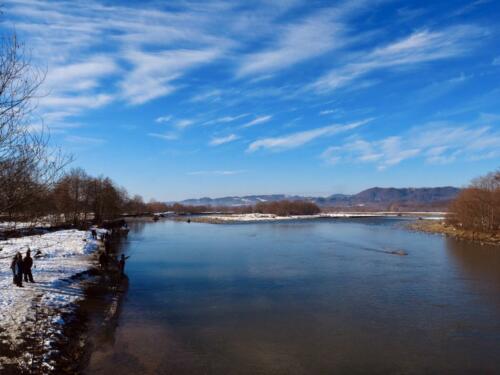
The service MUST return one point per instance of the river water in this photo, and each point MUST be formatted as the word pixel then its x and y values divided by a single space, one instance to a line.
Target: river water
pixel 305 297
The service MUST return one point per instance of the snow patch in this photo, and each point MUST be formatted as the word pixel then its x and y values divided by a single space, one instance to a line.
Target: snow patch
pixel 63 254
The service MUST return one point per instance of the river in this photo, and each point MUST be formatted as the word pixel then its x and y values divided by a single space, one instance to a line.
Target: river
pixel 304 297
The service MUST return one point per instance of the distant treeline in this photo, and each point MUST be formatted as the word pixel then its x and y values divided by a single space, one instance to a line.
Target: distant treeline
pixel 76 198
pixel 287 208
pixel 280 208
pixel 477 208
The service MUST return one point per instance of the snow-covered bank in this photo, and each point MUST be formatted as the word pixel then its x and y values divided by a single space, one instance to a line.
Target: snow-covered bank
pixel 63 254
pixel 16 225
pixel 255 217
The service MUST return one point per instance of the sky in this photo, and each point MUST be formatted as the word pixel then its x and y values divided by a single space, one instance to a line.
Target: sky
pixel 186 99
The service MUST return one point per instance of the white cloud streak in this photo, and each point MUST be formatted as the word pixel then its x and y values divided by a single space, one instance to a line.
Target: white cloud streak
pixel 257 121
pixel 153 74
pixel 163 119
pixel 169 136
pixel 298 42
pixel 419 47
pixel 294 140
pixel 436 143
pixel 217 141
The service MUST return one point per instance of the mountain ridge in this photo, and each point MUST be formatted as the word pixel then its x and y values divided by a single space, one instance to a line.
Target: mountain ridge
pixel 372 197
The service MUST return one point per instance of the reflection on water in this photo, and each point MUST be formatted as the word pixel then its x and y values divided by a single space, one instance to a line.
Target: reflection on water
pixel 304 297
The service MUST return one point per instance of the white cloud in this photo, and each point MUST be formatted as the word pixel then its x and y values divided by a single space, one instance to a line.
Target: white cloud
pixel 226 119
pixel 300 138
pixel 307 38
pixel 329 112
pixel 75 103
pixel 217 141
pixel 163 119
pixel 153 73
pixel 257 121
pixel 80 76
pixel 436 143
pixel 419 47
pixel 169 136
pixel 311 37
pixel 212 95
pixel 183 123
pixel 496 61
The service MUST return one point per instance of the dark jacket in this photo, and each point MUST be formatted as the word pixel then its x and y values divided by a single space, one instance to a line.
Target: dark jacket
pixel 17 266
pixel 27 263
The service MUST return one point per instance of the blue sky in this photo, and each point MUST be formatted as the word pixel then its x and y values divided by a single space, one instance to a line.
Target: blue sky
pixel 184 99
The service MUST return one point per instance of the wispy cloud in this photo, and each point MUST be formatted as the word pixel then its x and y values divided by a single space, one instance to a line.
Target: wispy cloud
pixel 300 138
pixel 436 143
pixel 74 104
pixel 440 88
pixel 153 73
pixel 80 76
pixel 216 173
pixel 257 121
pixel 163 119
pixel 145 49
pixel 217 141
pixel 471 6
pixel 419 47
pixel 168 136
pixel 183 123
pixel 212 95
pixel 297 42
pixel 226 119
pixel 309 37
pixel 329 112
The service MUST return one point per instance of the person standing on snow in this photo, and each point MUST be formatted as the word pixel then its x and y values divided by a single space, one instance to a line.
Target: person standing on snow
pixel 27 264
pixel 17 269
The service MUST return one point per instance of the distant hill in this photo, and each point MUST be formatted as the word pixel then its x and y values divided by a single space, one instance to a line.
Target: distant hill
pixel 373 198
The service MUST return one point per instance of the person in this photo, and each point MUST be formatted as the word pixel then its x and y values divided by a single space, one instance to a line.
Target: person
pixel 107 245
pixel 27 264
pixel 94 233
pixel 103 261
pixel 121 264
pixel 17 269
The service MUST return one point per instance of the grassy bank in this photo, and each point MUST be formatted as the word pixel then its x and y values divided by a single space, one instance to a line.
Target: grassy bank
pixel 440 227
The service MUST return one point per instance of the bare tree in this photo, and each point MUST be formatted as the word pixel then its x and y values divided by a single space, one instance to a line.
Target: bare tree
pixel 477 208
pixel 27 165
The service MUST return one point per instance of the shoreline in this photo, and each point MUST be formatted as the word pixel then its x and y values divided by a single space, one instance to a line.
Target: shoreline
pixel 441 228
pixel 256 217
pixel 33 317
pixel 46 324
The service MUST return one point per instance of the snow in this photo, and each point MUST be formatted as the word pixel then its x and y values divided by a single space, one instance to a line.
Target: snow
pixel 270 217
pixel 13 225
pixel 64 254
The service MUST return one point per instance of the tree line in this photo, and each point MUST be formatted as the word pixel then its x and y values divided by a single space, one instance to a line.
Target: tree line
pixel 477 208
pixel 279 208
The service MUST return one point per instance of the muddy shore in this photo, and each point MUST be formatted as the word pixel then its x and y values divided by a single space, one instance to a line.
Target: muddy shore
pixel 440 227
pixel 95 318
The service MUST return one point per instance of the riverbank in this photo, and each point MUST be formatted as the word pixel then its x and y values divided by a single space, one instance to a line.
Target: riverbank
pixel 256 217
pixel 440 227
pixel 34 316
